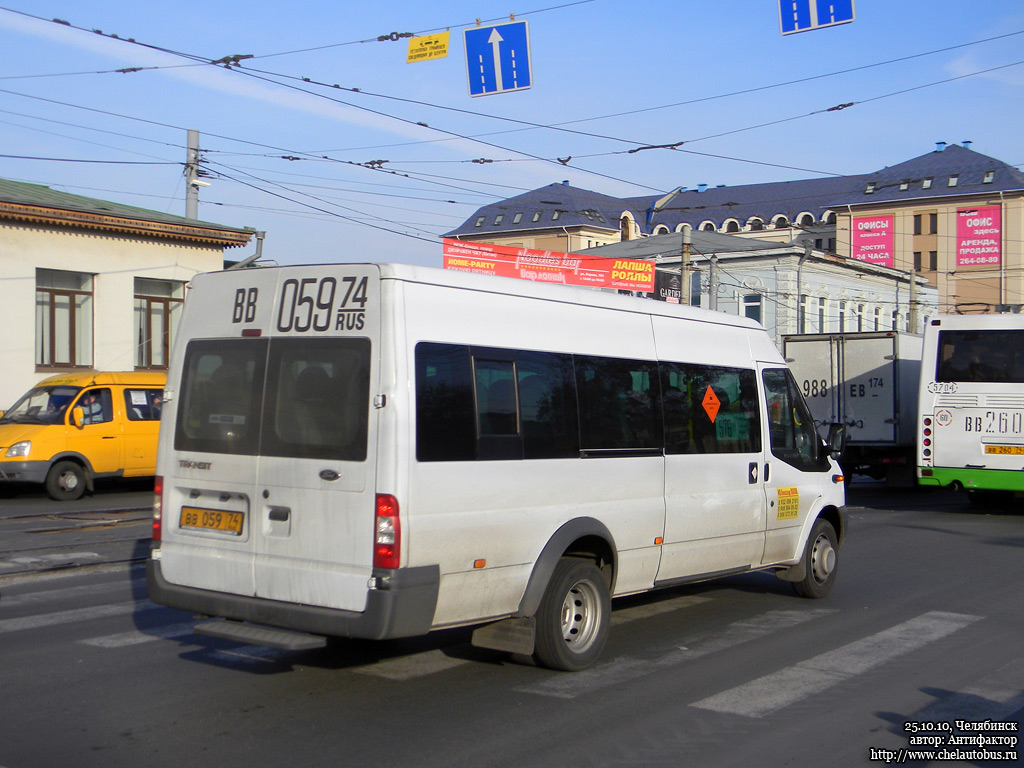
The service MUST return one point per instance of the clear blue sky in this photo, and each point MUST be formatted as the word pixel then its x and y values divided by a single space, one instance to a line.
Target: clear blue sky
pixel 614 75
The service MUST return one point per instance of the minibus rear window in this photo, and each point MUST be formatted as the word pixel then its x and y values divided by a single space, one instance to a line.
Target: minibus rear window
pixel 221 393
pixel 287 397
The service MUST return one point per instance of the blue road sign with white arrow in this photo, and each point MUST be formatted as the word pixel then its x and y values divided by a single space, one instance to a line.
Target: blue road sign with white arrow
pixel 802 15
pixel 498 58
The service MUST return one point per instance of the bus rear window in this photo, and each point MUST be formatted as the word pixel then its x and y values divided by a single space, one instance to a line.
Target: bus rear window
pixel 981 356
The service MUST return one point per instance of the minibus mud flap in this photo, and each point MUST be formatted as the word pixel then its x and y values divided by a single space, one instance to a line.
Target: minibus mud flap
pixel 515 635
pixel 254 634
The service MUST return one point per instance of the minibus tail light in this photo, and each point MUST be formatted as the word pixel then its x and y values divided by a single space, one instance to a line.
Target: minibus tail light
pixel 158 508
pixel 387 544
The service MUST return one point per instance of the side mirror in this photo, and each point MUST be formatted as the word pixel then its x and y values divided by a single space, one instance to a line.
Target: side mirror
pixel 77 417
pixel 836 441
pixel 2 414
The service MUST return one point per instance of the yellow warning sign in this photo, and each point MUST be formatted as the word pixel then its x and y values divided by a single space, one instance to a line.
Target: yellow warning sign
pixel 427 47
pixel 789 503
pixel 711 404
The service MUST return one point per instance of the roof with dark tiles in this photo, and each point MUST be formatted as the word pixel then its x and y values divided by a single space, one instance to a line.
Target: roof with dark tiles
pixel 577 207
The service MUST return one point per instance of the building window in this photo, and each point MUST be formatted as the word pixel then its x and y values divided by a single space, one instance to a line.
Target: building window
pixel 756 225
pixel 989 177
pixel 63 319
pixel 878 318
pixel 926 184
pixel 801 319
pixel 517 218
pixel 752 306
pixel 480 221
pixel 953 179
pixel 933 261
pixel 499 218
pixel 556 215
pixel 157 310
pixel 821 316
pixel 536 216
pixel 933 223
pixel 805 220
pixel 860 317
pixel 917 261
pixel 870 188
pixel 917 223
pixel 732 226
pixel 904 185
pixel 780 222
pixel 842 316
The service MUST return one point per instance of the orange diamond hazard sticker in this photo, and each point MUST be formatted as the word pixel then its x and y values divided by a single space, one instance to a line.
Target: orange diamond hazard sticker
pixel 711 404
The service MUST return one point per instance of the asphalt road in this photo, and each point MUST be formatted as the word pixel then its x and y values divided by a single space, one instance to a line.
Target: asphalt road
pixel 925 625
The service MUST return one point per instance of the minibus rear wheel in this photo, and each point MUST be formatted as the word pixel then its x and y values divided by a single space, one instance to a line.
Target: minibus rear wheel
pixel 65 481
pixel 821 557
pixel 573 617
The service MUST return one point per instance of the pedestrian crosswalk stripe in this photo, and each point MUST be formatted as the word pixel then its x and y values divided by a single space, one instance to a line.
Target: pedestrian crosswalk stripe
pixel 75 614
pixel 625 669
pixel 787 686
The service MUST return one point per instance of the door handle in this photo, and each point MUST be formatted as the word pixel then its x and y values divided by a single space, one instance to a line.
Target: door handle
pixel 766 472
pixel 279 514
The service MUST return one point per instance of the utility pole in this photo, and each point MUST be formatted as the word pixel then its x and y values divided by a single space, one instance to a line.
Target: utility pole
pixel 192 182
pixel 684 269
pixel 713 284
pixel 912 309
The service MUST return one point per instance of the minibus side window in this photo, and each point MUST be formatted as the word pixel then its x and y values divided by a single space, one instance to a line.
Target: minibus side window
pixel 317 402
pixel 222 391
pixel 793 436
pixel 619 402
pixel 97 406
pixel 143 404
pixel 710 409
pixel 547 405
pixel 445 414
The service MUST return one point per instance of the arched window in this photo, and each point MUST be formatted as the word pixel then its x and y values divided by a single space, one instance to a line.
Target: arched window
pixel 708 226
pixel 755 224
pixel 731 225
pixel 780 222
pixel 805 220
pixel 829 217
pixel 626 226
pixel 661 229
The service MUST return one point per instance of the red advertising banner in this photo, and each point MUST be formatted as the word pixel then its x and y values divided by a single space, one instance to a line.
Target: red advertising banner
pixel 549 266
pixel 979 235
pixel 872 240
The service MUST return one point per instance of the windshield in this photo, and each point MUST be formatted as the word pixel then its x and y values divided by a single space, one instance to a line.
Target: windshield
pixel 43 405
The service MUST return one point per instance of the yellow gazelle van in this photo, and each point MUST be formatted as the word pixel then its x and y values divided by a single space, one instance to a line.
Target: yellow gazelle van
pixel 73 428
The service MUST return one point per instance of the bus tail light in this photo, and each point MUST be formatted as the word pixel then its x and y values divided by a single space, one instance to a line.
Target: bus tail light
pixel 158 508
pixel 387 544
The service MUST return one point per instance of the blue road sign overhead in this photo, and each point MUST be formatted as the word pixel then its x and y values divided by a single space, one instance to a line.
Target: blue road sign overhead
pixel 498 58
pixel 802 15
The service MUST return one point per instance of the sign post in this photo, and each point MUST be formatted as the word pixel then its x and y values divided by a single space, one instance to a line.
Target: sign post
pixel 498 58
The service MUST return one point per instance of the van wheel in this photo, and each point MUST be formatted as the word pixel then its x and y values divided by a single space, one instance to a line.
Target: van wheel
pixel 65 481
pixel 573 617
pixel 821 557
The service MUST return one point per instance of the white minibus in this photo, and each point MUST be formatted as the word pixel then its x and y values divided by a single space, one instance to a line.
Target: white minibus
pixel 378 451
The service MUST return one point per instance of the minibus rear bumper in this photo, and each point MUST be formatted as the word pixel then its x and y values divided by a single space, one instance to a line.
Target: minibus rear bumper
pixel 402 606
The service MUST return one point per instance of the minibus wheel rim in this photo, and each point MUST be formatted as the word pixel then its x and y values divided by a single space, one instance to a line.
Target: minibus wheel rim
pixel 581 614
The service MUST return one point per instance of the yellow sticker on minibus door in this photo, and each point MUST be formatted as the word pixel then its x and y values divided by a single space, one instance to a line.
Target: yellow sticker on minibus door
pixel 789 503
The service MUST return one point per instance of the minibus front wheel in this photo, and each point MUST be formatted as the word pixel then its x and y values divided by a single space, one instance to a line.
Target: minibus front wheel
pixel 820 560
pixel 65 481
pixel 573 617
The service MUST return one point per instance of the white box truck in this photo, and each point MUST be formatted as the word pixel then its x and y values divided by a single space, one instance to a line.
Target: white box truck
pixel 867 381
